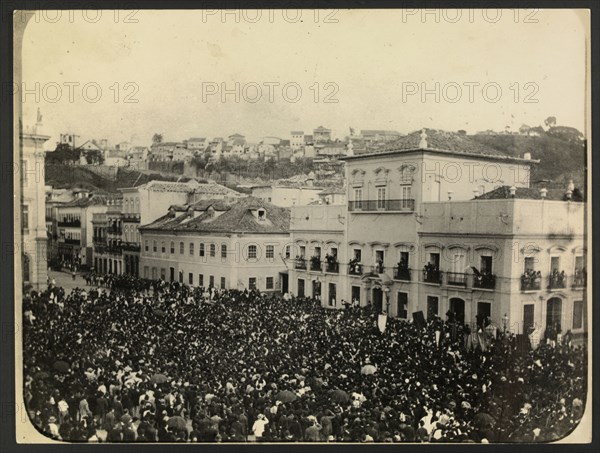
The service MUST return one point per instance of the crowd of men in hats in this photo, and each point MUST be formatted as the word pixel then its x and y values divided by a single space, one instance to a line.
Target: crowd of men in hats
pixel 163 362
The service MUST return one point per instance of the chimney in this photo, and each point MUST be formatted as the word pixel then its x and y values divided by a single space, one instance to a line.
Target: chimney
pixel 513 191
pixel 543 192
pixel 527 156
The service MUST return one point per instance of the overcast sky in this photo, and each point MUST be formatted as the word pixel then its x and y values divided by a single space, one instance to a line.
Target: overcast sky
pixel 375 64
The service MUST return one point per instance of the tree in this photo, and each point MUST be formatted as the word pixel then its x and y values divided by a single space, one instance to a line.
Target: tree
pixel 462 132
pixel 157 138
pixel 550 121
pixel 94 156
pixel 63 153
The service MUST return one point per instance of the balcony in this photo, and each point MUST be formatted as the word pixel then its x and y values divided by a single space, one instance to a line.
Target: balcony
pixel 332 267
pixel 432 276
pixel 300 264
pixel 557 280
pixel 407 205
pixel 69 223
pixel 355 269
pixel 130 246
pixel 114 230
pixel 402 273
pixel 73 241
pixel 531 281
pixel 579 279
pixel 315 264
pixel 130 217
pixel 378 268
pixel 457 279
pixel 484 281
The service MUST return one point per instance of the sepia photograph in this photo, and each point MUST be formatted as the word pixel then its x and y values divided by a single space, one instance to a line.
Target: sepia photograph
pixel 276 226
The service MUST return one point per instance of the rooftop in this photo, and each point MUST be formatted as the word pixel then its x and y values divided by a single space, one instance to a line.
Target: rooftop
pixel 441 142
pixel 528 193
pixel 234 217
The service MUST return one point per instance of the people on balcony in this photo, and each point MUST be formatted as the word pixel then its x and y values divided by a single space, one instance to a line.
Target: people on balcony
pixel 315 262
pixel 431 272
pixel 580 277
pixel 531 280
pixel 557 279
pixel 332 262
pixel 379 268
pixel 484 279
pixel 355 266
pixel 300 262
pixel 402 269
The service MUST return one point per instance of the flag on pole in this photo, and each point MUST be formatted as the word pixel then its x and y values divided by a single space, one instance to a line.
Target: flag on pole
pixel 381 322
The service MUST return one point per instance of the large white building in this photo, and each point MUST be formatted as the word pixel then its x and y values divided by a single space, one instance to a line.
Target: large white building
pixel 235 244
pixel 442 225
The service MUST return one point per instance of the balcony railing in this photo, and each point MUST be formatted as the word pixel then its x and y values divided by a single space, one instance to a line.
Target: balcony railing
pixel 402 273
pixel 557 281
pixel 355 269
pixel 530 283
pixel 73 241
pixel 300 264
pixel 407 205
pixel 378 269
pixel 432 276
pixel 579 280
pixel 69 223
pixel 487 281
pixel 315 265
pixel 333 267
pixel 457 279
pixel 113 230
pixel 131 246
pixel 130 217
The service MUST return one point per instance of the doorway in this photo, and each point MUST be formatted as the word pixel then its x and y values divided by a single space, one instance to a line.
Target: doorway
pixel 553 313
pixel 377 300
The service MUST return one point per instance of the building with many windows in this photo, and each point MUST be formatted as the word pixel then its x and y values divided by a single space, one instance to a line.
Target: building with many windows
pixel 438 223
pixel 233 244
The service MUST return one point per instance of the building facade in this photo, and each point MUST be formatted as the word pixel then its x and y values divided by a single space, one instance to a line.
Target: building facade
pixel 443 226
pixel 225 244
pixel 32 213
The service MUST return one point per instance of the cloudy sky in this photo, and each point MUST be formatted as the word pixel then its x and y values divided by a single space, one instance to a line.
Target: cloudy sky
pixel 192 73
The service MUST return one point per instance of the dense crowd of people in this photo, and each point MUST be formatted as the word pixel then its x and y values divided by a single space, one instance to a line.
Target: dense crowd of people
pixel 143 361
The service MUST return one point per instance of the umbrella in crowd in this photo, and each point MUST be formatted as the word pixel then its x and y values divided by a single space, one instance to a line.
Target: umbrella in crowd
pixel 339 396
pixel 368 369
pixel 177 422
pixel 158 378
pixel 285 396
pixel 61 366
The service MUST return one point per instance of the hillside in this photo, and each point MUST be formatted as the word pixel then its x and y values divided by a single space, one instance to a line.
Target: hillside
pixel 560 158
pixel 62 176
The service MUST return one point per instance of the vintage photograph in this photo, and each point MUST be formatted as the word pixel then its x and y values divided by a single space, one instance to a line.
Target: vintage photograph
pixel 302 226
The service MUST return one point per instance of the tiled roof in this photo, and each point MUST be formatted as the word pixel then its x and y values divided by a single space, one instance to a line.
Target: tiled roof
pixel 95 200
pixel 523 193
pixel 438 140
pixel 215 189
pixel 321 129
pixel 197 139
pixel 236 217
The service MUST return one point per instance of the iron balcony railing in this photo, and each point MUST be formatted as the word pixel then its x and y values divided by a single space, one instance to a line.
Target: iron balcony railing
pixel 579 280
pixel 333 267
pixel 432 276
pixel 402 273
pixel 300 264
pixel 484 281
pixel 355 269
pixel 129 217
pixel 131 246
pixel 378 268
pixel 557 281
pixel 456 279
pixel 407 205
pixel 69 223
pixel 73 241
pixel 315 265
pixel 530 283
